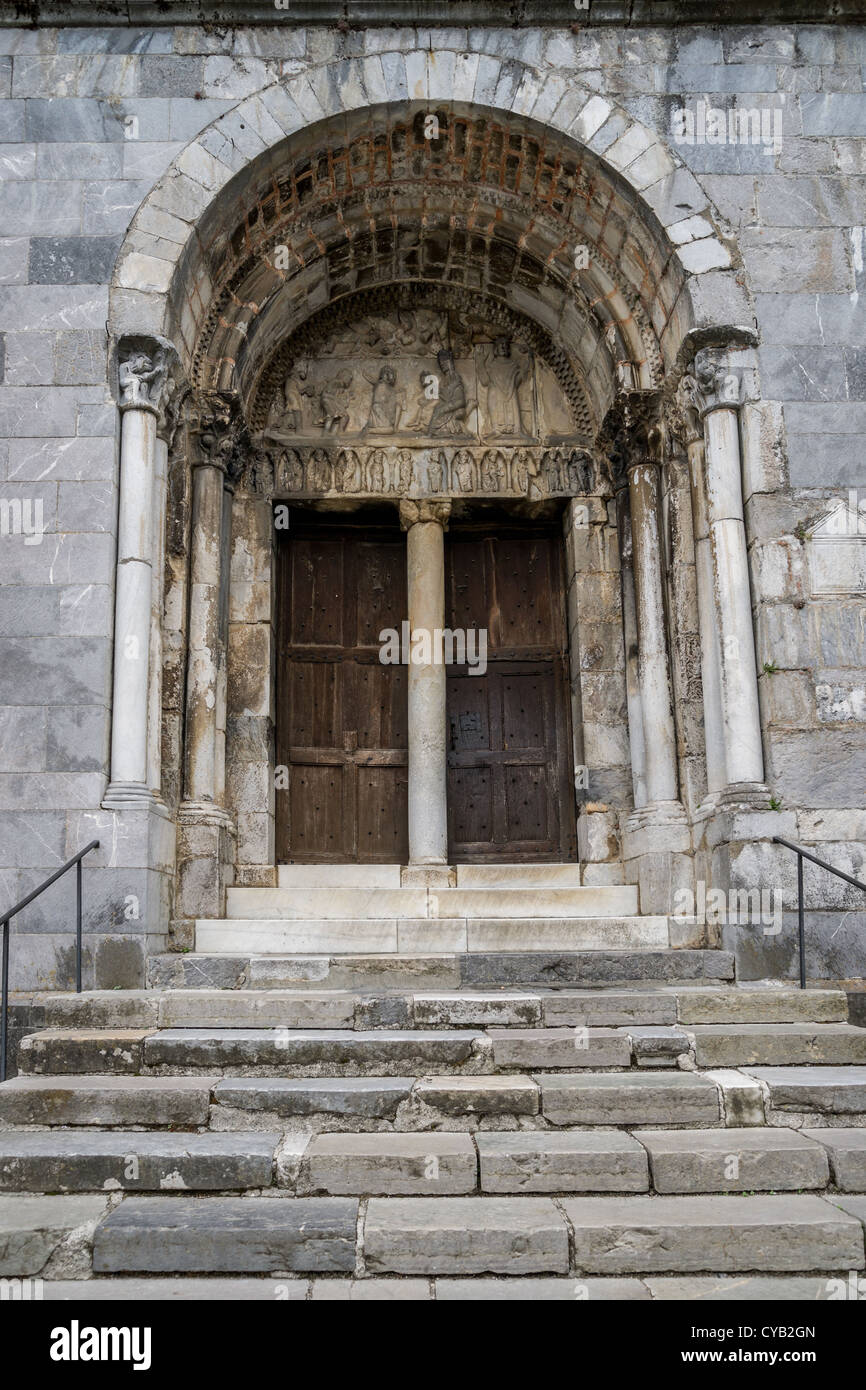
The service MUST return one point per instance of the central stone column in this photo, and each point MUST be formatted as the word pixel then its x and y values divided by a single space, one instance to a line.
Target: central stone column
pixel 424 523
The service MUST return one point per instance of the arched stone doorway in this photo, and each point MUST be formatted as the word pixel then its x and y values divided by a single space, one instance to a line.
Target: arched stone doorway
pixel 502 257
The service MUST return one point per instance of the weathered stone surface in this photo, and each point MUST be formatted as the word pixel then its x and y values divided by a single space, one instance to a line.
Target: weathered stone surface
pixel 56 1051
pixel 625 1235
pixel 762 1006
pixel 658 1047
pixel 543 1290
pixel 742 1098
pixel 37 1230
pixel 846 1150
pixel 560 1047
pixel 629 1098
pixel 744 1288
pixel 479 1095
pixel 134 1161
pixel 465 1235
pixel 391 1164
pixel 734 1160
pixel 824 1090
pixel 593 967
pixel 111 1008
pixel 371 1290
pixel 183 1290
pixel 379 1052
pixel 105 1100
pixel 476 1010
pixel 608 1009
pixel 540 1161
pixel 365 1096
pixel 782 1044
pixel 256 1009
pixel 221 1235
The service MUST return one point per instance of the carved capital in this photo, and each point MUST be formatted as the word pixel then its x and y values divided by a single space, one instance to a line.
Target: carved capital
pixel 144 363
pixel 688 402
pixel 220 434
pixel 718 387
pixel 411 512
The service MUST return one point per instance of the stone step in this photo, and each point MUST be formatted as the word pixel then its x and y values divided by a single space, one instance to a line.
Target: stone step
pixel 343 935
pixel 541 1048
pixel 478 1095
pixel 359 1100
pixel 225 1234
pixel 333 902
pixel 760 1159
pixel 88 1161
pixel 568 1161
pixel 364 876
pixel 152 1101
pixel 464 1235
pixel 761 1003
pixel 106 1051
pixel 521 876
pixel 629 1098
pixel 391 1164
pixel 778 1044
pixel 334 1052
pixel 442 970
pixel 830 1091
pixel 48 1237
pixel 846 1150
pixel 663 1235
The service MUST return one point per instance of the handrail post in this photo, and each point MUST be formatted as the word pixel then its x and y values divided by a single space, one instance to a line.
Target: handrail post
pixel 78 927
pixel 801 921
pixel 4 1008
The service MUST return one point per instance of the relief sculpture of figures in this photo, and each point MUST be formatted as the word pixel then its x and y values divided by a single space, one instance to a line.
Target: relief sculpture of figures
pixel 502 376
pixel 386 406
pixel 140 378
pixel 449 412
pixel 335 403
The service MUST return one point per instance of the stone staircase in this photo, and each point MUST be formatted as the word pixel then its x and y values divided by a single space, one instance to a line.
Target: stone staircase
pixel 464 1123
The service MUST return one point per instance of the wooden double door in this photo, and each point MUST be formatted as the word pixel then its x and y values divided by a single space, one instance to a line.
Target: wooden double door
pixel 342 714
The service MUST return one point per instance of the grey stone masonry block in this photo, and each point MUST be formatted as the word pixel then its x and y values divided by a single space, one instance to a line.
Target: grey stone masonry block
pixel 539 1290
pixel 61 1051
pixel 381 1052
pixel 758 1159
pixel 846 1150
pixel 593 967
pixel 476 1010
pixel 43 307
pixel 465 1235
pixel 170 77
pixel 105 1100
pixel 391 1164
pixel 538 1161
pixel 179 1290
pixel 624 1098
pixel 84 160
pixel 833 113
pixel 819 1090
pixel 783 1044
pixel 134 1008
pixel 57 1232
pixel 108 206
pixel 608 1008
pixel 762 1006
pixel 366 1097
pixel 220 1235
pixel 633 1235
pixel 68 1161
pixel 559 1047
pixel 71 120
pixel 479 1095
pixel 111 40
pixel 223 1008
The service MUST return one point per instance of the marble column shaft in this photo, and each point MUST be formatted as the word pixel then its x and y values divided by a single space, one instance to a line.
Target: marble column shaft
pixel 428 769
pixel 660 753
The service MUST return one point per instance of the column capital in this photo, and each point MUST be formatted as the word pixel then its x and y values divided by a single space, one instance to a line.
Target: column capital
pixel 413 510
pixel 144 365
pixel 716 385
pixel 220 434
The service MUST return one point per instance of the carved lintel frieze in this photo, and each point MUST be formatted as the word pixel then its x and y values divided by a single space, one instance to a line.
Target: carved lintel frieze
pixel 424 509
pixel 145 364
pixel 531 471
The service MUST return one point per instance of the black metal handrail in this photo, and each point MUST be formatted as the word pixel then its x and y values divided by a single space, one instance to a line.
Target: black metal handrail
pixel 802 854
pixel 4 926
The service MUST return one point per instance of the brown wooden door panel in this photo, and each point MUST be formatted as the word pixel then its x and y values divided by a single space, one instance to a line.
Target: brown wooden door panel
pixel 341 714
pixel 509 761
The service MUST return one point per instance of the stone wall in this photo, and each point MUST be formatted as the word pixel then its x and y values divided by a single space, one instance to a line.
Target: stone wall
pixel 91 119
